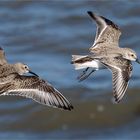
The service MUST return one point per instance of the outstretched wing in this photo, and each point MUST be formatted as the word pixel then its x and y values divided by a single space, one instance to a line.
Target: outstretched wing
pixel 39 90
pixel 121 72
pixel 107 34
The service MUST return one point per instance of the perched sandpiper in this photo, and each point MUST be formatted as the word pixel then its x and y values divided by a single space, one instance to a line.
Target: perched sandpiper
pixel 13 81
pixel 105 53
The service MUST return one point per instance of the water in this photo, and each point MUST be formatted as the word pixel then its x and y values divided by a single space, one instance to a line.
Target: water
pixel 44 35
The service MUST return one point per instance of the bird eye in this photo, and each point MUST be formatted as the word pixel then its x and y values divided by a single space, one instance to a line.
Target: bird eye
pixel 132 55
pixel 26 67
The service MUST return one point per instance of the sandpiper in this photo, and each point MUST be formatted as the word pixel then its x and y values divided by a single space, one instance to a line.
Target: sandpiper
pixel 13 81
pixel 105 53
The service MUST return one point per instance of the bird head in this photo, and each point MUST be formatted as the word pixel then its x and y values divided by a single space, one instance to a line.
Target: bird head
pixel 23 69
pixel 131 55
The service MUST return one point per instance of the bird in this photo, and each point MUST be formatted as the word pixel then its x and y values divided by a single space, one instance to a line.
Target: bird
pixel 105 53
pixel 14 81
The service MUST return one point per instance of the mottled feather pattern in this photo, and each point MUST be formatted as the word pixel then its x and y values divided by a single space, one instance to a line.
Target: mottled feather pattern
pixel 105 53
pixel 107 33
pixel 121 72
pixel 39 90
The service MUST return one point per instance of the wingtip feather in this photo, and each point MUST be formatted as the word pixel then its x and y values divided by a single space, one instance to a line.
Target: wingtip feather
pixel 91 14
pixel 69 108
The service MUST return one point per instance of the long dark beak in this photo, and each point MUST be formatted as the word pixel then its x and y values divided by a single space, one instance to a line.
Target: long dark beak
pixel 138 61
pixel 33 73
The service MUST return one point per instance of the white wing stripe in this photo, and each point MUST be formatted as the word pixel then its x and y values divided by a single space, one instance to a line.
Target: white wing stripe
pixel 41 96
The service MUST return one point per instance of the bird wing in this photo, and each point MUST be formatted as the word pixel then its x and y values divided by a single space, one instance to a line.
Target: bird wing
pixel 121 72
pixel 39 90
pixel 107 34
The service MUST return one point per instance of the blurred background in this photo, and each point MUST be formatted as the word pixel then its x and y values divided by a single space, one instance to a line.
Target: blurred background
pixel 44 35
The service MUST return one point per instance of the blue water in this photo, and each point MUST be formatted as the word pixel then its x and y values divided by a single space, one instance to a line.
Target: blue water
pixel 44 35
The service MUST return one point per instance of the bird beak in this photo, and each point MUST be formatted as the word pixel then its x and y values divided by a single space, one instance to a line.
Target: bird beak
pixel 138 61
pixel 33 73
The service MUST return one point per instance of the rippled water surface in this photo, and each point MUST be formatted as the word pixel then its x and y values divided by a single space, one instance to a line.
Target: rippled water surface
pixel 44 34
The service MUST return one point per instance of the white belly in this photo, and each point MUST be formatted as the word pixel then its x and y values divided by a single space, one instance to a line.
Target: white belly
pixel 95 64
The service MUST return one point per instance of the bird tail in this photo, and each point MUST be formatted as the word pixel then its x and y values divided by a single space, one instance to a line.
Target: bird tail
pixel 81 61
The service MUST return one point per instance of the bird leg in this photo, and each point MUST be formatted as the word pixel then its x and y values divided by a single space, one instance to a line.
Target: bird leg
pixel 85 76
pixel 83 73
